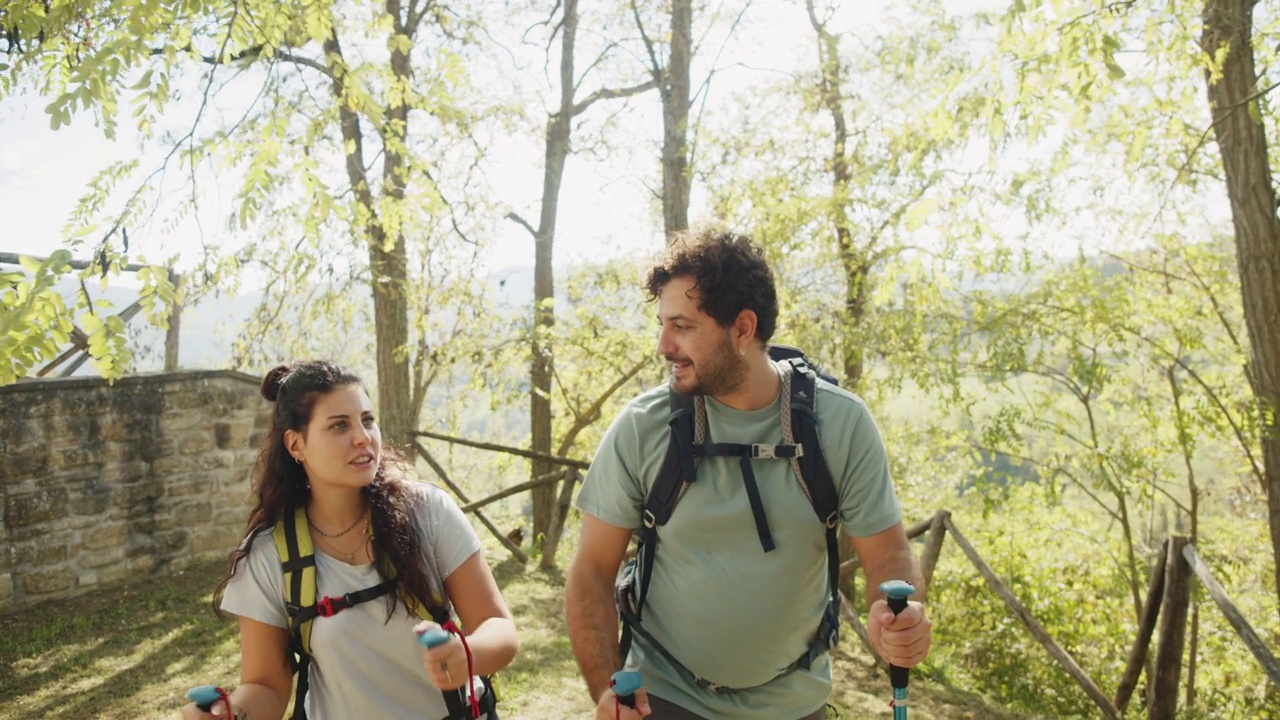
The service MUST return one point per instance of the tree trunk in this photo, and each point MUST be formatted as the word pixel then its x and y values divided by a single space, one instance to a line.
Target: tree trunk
pixel 852 260
pixel 542 362
pixel 1242 141
pixel 675 121
pixel 388 259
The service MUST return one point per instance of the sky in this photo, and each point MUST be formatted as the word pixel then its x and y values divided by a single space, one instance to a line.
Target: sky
pixel 605 208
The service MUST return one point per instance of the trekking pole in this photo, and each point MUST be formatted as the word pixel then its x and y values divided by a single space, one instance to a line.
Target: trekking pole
pixel 438 636
pixel 896 594
pixel 206 695
pixel 625 683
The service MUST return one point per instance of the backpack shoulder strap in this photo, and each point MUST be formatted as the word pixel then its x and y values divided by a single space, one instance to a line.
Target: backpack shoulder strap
pixel 298 561
pixel 678 467
pixel 811 466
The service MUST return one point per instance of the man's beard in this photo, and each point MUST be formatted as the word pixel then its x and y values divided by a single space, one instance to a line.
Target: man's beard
pixel 719 374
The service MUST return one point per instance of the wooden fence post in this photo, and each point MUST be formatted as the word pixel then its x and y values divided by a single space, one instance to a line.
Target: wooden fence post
pixel 444 477
pixel 1173 632
pixel 1037 630
pixel 559 512
pixel 1234 616
pixel 932 549
pixel 1146 626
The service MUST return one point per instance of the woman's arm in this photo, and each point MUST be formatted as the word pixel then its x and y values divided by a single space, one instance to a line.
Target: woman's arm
pixel 491 633
pixel 266 679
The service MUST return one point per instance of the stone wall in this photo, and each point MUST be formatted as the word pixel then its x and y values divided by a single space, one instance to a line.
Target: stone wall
pixel 102 483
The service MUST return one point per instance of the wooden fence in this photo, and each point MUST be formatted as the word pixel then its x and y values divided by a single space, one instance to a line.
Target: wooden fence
pixel 78 352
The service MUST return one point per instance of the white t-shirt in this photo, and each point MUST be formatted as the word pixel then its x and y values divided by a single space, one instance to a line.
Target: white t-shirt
pixel 361 665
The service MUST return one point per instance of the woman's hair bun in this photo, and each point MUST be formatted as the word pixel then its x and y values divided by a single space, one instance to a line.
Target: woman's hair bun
pixel 274 379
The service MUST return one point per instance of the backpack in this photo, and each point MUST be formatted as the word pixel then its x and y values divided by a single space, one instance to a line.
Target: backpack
pixel 298 561
pixel 686 444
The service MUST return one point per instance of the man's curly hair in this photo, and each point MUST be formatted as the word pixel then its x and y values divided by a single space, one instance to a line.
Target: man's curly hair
pixel 728 271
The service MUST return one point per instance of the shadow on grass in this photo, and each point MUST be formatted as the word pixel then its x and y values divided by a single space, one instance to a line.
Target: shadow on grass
pixel 83 657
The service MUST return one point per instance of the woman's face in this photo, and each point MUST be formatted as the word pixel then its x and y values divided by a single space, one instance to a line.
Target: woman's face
pixel 341 445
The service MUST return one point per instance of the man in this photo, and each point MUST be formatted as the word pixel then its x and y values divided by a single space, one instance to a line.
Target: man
pixel 725 619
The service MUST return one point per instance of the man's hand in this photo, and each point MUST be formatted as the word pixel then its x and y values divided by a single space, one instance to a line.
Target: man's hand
pixel 608 708
pixel 902 639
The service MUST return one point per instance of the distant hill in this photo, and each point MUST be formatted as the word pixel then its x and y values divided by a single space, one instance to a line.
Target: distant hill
pixel 209 327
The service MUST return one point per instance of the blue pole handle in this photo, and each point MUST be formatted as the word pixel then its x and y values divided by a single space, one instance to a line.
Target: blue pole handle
pixel 896 594
pixel 433 637
pixel 625 683
pixel 204 696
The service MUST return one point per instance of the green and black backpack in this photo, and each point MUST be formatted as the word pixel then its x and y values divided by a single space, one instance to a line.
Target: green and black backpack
pixel 298 561
pixel 688 443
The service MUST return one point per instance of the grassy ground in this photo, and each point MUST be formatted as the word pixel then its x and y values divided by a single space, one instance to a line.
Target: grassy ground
pixel 132 652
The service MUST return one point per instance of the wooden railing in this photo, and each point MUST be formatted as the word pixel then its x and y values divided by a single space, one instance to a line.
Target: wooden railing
pixel 1167 600
pixel 78 353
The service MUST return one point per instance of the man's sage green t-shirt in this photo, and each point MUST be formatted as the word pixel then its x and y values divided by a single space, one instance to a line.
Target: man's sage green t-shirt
pixel 727 610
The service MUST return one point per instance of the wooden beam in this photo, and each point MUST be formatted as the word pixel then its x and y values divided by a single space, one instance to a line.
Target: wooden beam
pixel 539 481
pixel 1146 626
pixel 847 612
pixel 12 259
pixel 913 532
pixel 1234 616
pixel 932 550
pixel 559 512
pixel 506 541
pixel 521 452
pixel 1173 632
pixel 1028 620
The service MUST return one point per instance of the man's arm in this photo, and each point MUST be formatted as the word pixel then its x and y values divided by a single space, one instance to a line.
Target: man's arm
pixel 589 603
pixel 903 640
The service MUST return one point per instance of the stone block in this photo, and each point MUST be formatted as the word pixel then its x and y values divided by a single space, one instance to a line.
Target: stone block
pixel 98 559
pixel 29 461
pixel 158 448
pixel 67 458
pixel 93 500
pixel 195 442
pixel 6 591
pixel 232 435
pixel 87 580
pixel 194 515
pixel 108 536
pixel 41 554
pixel 125 473
pixel 47 581
pixel 19 430
pixel 196 484
pixel 139 496
pixel 176 420
pixel 31 508
pixel 170 543
pixel 170 467
pixel 112 452
pixel 216 542
pixel 217 459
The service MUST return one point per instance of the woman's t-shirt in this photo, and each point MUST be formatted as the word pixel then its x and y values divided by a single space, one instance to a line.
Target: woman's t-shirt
pixel 361 665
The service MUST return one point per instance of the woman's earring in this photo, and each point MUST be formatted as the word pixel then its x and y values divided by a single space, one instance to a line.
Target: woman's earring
pixel 297 459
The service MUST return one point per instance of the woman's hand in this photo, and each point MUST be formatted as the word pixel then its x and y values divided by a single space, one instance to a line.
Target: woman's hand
pixel 446 663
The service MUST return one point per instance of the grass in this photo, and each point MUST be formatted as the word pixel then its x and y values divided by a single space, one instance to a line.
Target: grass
pixel 133 652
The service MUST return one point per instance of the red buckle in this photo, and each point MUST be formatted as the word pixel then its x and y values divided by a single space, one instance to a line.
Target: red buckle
pixel 325 607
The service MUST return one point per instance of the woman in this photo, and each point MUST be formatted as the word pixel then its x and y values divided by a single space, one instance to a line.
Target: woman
pixel 368 525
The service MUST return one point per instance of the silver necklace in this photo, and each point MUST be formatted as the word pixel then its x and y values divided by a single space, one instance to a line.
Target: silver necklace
pixel 350 527
pixel 350 556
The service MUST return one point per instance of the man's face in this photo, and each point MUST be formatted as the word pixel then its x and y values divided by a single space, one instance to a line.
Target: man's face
pixel 703 358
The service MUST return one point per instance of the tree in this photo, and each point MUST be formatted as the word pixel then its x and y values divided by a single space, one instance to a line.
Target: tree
pixel 1236 100
pixel 558 147
pixel 344 133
